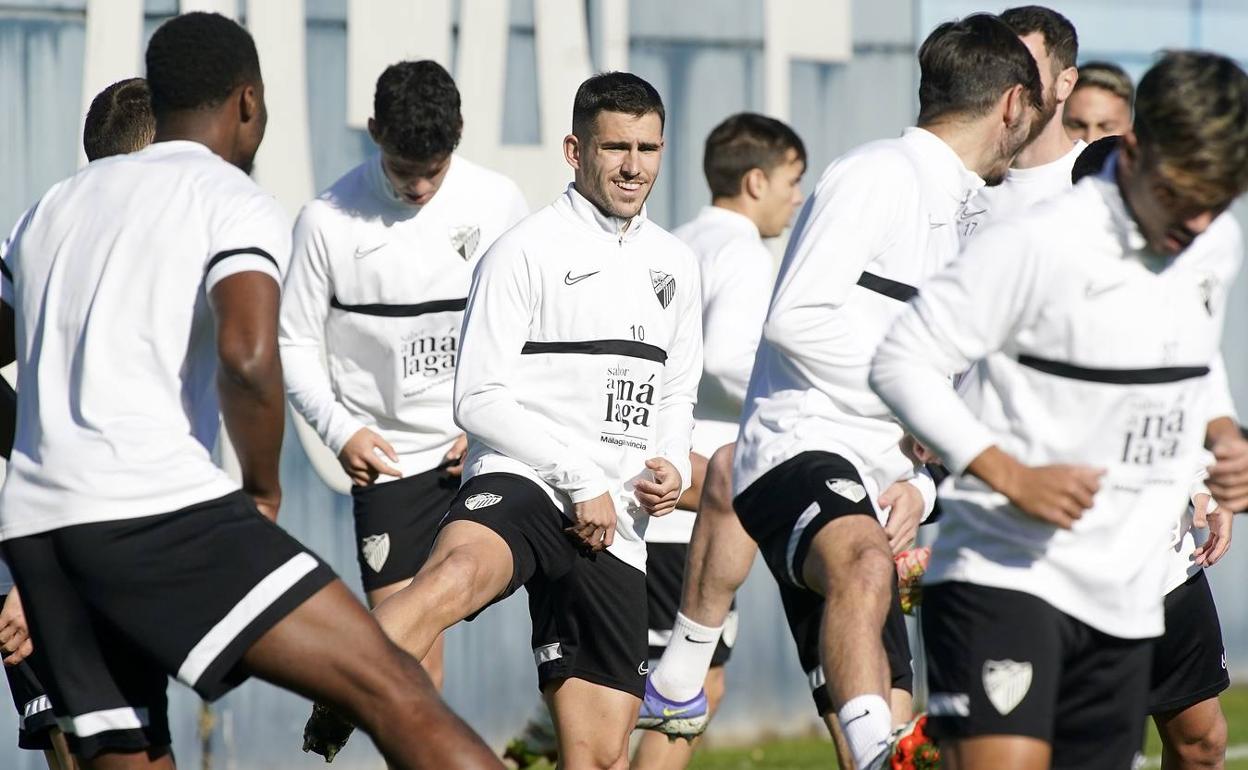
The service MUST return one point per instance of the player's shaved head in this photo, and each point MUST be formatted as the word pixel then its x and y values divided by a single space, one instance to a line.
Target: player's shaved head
pixel 120 120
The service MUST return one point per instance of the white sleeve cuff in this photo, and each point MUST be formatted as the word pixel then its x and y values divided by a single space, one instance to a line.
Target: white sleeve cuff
pixel 923 482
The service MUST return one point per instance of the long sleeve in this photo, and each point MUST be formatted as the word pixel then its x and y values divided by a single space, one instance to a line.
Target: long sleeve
pixel 962 315
pixel 496 326
pixel 733 317
pixel 841 229
pixel 305 307
pixel 674 424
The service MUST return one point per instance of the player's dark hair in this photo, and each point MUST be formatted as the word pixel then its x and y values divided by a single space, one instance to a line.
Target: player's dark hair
pixel 614 92
pixel 743 142
pixel 1092 159
pixel 1191 119
pixel 120 120
pixel 194 61
pixel 966 65
pixel 1107 77
pixel 1061 42
pixel 417 110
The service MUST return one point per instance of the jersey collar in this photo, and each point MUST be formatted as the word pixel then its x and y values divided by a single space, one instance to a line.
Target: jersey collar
pixel 579 208
pixel 944 170
pixel 730 219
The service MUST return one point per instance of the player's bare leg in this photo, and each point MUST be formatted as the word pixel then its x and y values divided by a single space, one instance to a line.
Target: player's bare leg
pixel 59 757
pixel 992 752
pixel 1193 738
pixel 593 724
pixel 434 660
pixel 157 759
pixel 329 649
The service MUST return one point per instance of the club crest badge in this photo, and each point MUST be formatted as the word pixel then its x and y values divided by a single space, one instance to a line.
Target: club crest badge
pixel 1006 682
pixel 664 287
pixel 465 239
pixel 482 500
pixel 847 488
pixel 376 550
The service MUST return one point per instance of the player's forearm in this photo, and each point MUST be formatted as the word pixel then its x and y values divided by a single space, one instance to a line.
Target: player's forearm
pixel 249 386
pixel 311 394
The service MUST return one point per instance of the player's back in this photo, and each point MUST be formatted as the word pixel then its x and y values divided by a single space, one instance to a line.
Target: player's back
pixel 115 340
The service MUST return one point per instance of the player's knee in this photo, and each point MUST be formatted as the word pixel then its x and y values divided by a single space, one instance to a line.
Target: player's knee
pixel 456 582
pixel 865 566
pixel 717 489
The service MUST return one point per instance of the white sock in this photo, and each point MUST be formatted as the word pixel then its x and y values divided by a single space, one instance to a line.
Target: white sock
pixel 682 669
pixel 867 722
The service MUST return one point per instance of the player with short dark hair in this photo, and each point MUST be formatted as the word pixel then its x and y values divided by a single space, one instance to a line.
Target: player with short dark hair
pixel 753 166
pixel 1044 592
pixel 138 558
pixel 371 313
pixel 120 120
pixel 1101 102
pixel 822 482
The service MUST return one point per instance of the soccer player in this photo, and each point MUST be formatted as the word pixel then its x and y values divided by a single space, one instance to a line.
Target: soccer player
pixel 1044 589
pixel 1100 105
pixel 378 281
pixel 1189 661
pixel 133 314
pixel 578 369
pixel 822 482
pixel 1042 169
pixel 753 166
pixel 119 120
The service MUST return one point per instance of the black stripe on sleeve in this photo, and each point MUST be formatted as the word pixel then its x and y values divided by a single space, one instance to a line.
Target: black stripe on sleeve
pixel 1158 376
pixel 599 348
pixel 402 311
pixel 902 292
pixel 259 252
pixel 5 269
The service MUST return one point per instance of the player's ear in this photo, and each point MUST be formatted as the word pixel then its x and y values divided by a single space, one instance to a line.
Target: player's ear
pixel 1064 86
pixel 572 151
pixel 248 103
pixel 754 183
pixel 1012 105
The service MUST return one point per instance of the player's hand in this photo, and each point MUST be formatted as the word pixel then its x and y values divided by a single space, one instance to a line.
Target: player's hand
pixel 917 451
pixel 595 523
pixel 15 641
pixel 1218 519
pixel 1228 477
pixel 906 504
pixel 360 459
pixel 1055 494
pixel 455 456
pixel 658 497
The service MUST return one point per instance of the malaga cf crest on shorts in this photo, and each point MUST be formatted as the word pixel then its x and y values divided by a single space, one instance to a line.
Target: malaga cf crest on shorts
pixel 376 550
pixel 482 500
pixel 664 287
pixel 1006 682
pixel 465 239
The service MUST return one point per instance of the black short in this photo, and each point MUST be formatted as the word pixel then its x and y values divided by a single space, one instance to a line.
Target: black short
pixel 34 710
pixel 119 606
pixel 783 511
pixel 1189 662
pixel 588 610
pixel 1004 662
pixel 396 522
pixel 665 576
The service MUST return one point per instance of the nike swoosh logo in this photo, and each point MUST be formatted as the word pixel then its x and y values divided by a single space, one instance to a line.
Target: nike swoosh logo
pixel 569 280
pixel 848 722
pixel 968 214
pixel 671 712
pixel 362 253
pixel 1091 291
pixel 689 638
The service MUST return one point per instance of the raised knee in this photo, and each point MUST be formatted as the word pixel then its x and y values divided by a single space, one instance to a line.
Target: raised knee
pixel 717 488
pixel 456 581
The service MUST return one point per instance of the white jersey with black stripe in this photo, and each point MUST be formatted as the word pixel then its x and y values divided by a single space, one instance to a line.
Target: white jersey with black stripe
pixel 379 286
pixel 1108 351
pixel 881 220
pixel 581 354
pixel 108 275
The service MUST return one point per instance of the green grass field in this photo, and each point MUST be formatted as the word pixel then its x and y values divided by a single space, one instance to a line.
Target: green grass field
pixel 816 752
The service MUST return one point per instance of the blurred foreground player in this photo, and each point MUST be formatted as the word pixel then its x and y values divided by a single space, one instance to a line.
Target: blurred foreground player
pixel 1045 591
pixel 137 557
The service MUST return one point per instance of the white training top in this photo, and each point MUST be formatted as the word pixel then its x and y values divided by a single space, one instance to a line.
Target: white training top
pixel 1021 189
pixel 1024 188
pixel 116 347
pixel 380 286
pixel 737 273
pixel 881 220
pixel 582 348
pixel 1108 348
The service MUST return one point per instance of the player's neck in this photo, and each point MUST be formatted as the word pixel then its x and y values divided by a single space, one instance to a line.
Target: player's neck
pixel 193 127
pixel 736 205
pixel 1052 144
